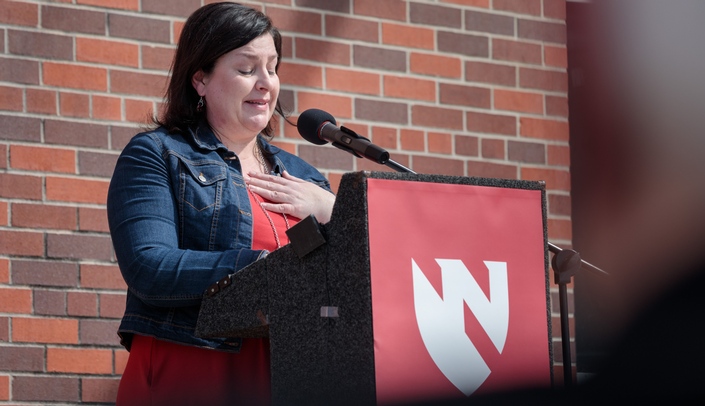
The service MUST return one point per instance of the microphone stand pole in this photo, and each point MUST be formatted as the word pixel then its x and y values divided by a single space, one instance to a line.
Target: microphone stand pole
pixel 565 264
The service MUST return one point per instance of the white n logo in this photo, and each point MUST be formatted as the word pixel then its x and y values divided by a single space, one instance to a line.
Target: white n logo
pixel 442 324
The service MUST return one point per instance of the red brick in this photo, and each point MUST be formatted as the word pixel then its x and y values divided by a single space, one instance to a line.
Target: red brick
pixel 22 358
pixel 119 4
pixel 112 306
pixel 351 81
pixel 25 243
pixel 4 387
pixel 99 332
pixel 101 277
pixel 559 205
pixel 556 179
pixel 323 51
pixel 107 52
pixel 491 170
pixel 43 159
pixel 384 137
pixel 440 166
pixel 467 145
pixel 90 219
pixel 43 216
pixel 121 356
pixel 435 65
pixel 39 330
pixel 379 58
pixel 74 20
pixel 555 81
pixel 437 15
pixel 19 71
pixel 82 304
pixel 40 45
pixel 106 107
pixel 3 156
pixel 559 155
pixel 532 7
pixel 557 106
pixel 463 44
pixel 4 270
pixel 295 74
pixel 516 51
pixel 527 152
pixel 138 83
pixel 297 21
pixel 45 389
pixel 20 186
pixel 49 302
pixel 471 96
pixel 156 57
pixel 493 148
pixel 4 329
pixel 44 273
pixel 349 28
pixel 438 117
pixel 139 111
pixel 409 88
pixel 491 123
pixel 19 13
pixel 511 100
pixel 491 23
pixel 15 300
pixel 41 101
pixel 75 76
pixel 471 3
pixel 79 246
pixel 542 31
pixel 79 360
pixel 388 9
pixel 440 143
pixel 412 140
pixel 490 73
pixel 408 36
pixel 140 28
pixel 545 129
pixel 76 190
pixel 75 133
pixel 560 229
pixel 555 56
pixel 555 9
pixel 99 390
pixel 339 106
pixel 4 213
pixel 10 98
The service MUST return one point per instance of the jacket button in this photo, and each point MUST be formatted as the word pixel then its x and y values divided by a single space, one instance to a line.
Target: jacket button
pixel 201 177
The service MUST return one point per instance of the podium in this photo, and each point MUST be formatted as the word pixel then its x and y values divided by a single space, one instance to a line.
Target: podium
pixel 421 287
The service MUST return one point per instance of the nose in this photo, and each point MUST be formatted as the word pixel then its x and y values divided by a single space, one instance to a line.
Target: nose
pixel 265 80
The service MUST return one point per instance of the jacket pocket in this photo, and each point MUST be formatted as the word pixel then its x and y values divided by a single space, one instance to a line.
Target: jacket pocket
pixel 201 186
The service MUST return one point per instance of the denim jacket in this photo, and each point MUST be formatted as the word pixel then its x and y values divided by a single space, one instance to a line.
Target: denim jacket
pixel 180 219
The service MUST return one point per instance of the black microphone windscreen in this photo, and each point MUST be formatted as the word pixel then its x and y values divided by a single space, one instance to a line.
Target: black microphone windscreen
pixel 310 122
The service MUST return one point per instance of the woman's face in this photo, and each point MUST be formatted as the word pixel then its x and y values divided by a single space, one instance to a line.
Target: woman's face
pixel 241 92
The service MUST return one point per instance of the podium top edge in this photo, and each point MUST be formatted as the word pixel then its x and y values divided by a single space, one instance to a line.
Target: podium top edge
pixel 451 179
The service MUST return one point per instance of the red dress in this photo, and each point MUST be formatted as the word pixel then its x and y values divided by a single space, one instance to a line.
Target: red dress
pixel 164 373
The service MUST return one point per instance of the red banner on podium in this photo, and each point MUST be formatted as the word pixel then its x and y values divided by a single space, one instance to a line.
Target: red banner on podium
pixel 459 290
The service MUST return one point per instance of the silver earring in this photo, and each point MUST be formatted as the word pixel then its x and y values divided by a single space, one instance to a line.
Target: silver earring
pixel 201 104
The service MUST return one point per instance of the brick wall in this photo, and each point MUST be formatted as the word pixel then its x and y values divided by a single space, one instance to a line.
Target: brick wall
pixel 460 87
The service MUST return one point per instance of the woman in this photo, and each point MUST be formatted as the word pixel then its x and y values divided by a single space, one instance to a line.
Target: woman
pixel 199 197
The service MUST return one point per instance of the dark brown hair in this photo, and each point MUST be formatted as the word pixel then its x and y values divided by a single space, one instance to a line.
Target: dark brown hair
pixel 210 32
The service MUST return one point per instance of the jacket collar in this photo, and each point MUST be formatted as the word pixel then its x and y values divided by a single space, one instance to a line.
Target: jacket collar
pixel 205 139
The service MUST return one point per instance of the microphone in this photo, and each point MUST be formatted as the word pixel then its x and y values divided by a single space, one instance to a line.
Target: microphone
pixel 319 127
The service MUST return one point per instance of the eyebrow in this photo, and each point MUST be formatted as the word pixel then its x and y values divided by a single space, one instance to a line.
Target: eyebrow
pixel 254 57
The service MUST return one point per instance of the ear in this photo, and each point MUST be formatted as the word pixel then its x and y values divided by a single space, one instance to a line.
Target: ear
pixel 198 81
